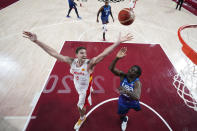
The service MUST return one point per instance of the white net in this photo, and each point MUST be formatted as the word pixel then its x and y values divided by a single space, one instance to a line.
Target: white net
pixel 186 80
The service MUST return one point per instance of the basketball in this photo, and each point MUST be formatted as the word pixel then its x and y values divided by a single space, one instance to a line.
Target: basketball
pixel 126 17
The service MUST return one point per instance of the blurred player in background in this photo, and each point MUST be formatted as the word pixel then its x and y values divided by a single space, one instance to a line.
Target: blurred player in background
pixel 72 5
pixel 105 12
pixel 132 4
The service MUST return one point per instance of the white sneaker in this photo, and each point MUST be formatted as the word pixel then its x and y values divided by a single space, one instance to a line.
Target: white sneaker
pixel 79 123
pixel 124 124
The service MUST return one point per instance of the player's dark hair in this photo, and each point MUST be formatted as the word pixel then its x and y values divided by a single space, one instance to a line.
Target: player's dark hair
pixel 79 48
pixel 139 70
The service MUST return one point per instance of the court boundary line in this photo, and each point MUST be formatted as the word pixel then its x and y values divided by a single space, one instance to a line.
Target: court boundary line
pixel 19 117
pixel 150 108
pixel 40 93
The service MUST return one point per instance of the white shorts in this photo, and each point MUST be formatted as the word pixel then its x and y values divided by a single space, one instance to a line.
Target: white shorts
pixel 132 4
pixel 84 98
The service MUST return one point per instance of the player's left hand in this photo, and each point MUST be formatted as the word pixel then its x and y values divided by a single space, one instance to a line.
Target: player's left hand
pixel 30 36
pixel 121 90
pixel 122 52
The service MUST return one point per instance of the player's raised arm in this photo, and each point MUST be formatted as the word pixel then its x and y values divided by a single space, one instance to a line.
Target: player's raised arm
pixel 47 48
pixel 121 53
pixel 109 49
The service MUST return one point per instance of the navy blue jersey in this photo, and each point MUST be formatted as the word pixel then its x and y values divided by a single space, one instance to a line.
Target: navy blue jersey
pixel 129 86
pixel 71 2
pixel 125 103
pixel 106 11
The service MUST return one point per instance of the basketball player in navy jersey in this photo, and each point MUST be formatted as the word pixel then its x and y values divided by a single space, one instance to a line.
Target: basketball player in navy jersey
pixel 72 5
pixel 130 88
pixel 81 68
pixel 105 12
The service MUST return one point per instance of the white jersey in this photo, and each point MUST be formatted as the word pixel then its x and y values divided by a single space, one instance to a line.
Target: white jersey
pixel 82 78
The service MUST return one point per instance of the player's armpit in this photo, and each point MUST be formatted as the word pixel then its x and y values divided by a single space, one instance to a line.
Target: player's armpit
pixel 68 59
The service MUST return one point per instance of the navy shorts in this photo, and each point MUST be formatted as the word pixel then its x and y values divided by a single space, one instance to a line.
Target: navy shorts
pixel 124 105
pixel 72 5
pixel 104 20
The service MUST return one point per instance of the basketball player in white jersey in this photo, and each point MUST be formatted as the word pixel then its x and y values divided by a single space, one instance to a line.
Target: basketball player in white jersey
pixel 81 68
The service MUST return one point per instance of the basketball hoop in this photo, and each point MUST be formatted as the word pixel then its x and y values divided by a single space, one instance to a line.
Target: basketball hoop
pixel 186 81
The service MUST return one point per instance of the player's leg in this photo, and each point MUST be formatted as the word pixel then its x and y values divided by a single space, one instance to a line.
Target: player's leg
pixel 122 111
pixel 177 4
pixel 104 22
pixel 82 110
pixel 70 8
pixel 181 3
pixel 104 30
pixel 127 106
pixel 76 11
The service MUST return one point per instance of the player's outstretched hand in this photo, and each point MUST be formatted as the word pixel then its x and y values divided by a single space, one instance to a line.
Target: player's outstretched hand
pixel 121 90
pixel 122 52
pixel 30 36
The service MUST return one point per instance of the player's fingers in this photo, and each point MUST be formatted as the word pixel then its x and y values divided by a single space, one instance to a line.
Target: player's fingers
pixel 122 48
pixel 27 33
pixel 125 48
pixel 129 34
pixel 25 37
pixel 24 31
pixel 130 37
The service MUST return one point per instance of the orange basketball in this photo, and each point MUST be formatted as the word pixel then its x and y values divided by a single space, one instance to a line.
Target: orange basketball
pixel 126 17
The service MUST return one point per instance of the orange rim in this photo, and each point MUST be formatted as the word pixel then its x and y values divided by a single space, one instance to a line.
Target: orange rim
pixel 187 50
